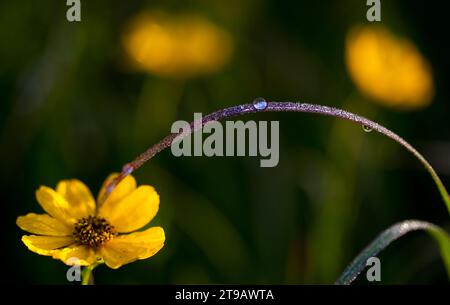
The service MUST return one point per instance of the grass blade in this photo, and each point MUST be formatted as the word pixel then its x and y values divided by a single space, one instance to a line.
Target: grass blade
pixel 387 237
pixel 269 106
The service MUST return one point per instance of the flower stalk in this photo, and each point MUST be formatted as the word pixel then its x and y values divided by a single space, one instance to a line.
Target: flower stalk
pixel 87 276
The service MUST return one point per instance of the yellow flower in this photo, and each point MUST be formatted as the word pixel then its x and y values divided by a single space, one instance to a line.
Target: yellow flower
pixel 388 68
pixel 75 227
pixel 178 46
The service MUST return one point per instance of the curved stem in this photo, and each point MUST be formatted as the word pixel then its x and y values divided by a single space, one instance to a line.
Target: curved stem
pixel 277 107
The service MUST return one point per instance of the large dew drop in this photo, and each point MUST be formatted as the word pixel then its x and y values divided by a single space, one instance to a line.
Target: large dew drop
pixel 260 103
pixel 367 128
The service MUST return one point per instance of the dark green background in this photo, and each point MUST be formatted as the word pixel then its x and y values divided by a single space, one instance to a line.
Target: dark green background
pixel 69 109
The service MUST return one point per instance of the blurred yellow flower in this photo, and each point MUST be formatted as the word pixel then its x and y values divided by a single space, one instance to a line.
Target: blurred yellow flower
pixel 177 46
pixel 75 227
pixel 388 68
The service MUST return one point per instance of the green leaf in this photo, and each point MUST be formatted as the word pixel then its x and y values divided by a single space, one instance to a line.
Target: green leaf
pixel 387 237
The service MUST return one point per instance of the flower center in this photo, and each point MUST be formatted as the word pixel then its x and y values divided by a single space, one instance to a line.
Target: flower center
pixel 93 231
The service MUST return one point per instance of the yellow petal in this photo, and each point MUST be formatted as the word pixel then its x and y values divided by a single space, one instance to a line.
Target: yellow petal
pixel 78 196
pixel 125 249
pixel 132 212
pixel 43 224
pixel 54 204
pixel 75 255
pixel 62 248
pixel 44 245
pixel 123 189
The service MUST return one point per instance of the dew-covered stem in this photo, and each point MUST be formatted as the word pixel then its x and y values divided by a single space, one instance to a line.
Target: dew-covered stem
pixel 262 105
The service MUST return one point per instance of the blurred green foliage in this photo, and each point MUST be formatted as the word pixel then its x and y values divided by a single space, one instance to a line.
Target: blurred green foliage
pixel 72 108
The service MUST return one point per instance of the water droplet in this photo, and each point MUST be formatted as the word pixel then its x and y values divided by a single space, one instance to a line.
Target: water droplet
pixel 260 103
pixel 367 128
